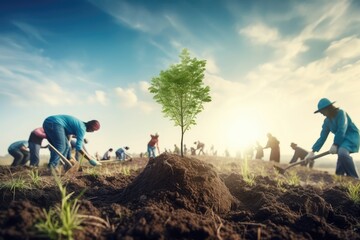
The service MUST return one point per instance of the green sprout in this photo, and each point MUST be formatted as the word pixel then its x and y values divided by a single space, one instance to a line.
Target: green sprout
pixel 354 192
pixel 294 179
pixel 15 184
pixel 248 177
pixel 35 177
pixel 62 220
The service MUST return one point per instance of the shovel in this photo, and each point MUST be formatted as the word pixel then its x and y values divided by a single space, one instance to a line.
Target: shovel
pixel 73 167
pixel 282 170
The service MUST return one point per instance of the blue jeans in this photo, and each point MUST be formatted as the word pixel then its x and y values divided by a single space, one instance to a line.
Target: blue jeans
pixel 34 154
pixel 20 157
pixel 56 135
pixel 151 151
pixel 120 155
pixel 345 164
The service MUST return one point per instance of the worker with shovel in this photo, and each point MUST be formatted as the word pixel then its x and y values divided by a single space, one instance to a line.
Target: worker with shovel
pixel 346 139
pixel 300 153
pixel 58 128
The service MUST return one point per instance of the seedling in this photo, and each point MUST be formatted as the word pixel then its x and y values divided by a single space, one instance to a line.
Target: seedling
pixel 293 179
pixel 35 178
pixel 62 220
pixel 248 177
pixel 125 170
pixel 15 184
pixel 354 192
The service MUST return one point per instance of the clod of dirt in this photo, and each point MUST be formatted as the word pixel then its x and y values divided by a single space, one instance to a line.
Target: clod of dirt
pixel 186 182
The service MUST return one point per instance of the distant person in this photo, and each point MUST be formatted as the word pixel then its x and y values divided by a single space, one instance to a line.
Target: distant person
pixel 346 137
pixel 20 151
pixel 193 151
pixel 152 144
pixel 200 146
pixel 185 149
pixel 176 149
pixel 107 154
pixel 121 154
pixel 259 151
pixel 274 145
pixel 35 140
pixel 300 153
pixel 59 127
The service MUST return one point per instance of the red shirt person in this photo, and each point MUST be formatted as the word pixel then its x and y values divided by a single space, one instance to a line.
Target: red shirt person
pixel 153 143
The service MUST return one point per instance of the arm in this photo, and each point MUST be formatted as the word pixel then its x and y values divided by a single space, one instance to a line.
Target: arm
pixel 24 148
pixel 295 157
pixel 323 136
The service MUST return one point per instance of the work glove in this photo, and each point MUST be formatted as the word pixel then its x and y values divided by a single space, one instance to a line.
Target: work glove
pixel 333 149
pixel 309 157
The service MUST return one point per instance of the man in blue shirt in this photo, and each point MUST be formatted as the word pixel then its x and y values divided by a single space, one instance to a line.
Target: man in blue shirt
pixel 59 127
pixel 20 151
pixel 346 139
pixel 121 153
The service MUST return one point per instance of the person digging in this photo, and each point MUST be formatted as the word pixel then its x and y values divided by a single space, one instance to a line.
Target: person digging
pixel 58 128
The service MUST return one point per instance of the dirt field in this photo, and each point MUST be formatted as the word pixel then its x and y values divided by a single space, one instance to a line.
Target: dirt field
pixel 171 197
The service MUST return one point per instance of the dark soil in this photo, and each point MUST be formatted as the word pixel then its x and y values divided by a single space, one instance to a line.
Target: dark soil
pixel 171 197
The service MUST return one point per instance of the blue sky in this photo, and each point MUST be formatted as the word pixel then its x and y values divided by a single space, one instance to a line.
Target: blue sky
pixel 268 64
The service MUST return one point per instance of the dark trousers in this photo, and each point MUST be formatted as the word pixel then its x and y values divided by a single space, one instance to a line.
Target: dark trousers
pixel 34 154
pixel 20 157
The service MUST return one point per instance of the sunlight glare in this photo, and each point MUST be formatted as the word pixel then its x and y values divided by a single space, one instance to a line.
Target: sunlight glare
pixel 243 131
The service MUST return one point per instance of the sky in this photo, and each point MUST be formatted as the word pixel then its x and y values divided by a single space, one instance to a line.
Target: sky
pixel 268 65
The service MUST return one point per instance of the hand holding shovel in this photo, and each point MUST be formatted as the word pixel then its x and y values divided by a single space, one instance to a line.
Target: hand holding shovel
pixel 282 170
pixel 91 160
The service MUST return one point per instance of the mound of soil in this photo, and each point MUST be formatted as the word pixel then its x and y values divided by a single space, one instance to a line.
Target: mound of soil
pixel 186 182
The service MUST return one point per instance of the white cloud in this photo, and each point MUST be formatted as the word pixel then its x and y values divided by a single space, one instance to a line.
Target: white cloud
pixel 144 86
pixel 345 48
pixel 260 34
pixel 127 97
pixel 100 97
pixel 52 94
pixel 211 66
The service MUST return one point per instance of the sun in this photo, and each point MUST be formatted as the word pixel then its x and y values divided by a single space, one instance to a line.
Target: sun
pixel 243 131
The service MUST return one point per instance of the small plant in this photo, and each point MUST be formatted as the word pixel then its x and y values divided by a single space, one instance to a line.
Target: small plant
pixel 92 171
pixel 35 177
pixel 354 192
pixel 248 177
pixel 125 170
pixel 63 220
pixel 294 179
pixel 15 184
pixel 339 179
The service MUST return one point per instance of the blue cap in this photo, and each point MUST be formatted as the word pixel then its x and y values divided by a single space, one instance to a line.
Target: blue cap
pixel 323 103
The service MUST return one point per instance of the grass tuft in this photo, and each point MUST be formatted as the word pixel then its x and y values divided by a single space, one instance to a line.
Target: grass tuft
pixel 15 184
pixel 61 222
pixel 354 192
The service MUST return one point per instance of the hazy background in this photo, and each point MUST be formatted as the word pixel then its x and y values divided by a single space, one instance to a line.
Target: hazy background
pixel 268 64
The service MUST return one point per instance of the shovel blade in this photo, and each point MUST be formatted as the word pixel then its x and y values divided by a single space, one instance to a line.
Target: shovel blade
pixel 73 169
pixel 279 169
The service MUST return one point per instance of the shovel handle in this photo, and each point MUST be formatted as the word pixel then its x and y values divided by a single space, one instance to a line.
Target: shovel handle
pixel 312 158
pixel 60 154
